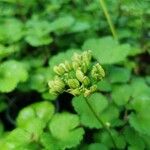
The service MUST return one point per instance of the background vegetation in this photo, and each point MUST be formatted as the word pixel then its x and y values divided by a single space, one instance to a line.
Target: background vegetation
pixel 36 35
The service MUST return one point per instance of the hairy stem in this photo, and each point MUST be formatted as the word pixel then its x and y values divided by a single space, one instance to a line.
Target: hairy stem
pixel 112 28
pixel 101 122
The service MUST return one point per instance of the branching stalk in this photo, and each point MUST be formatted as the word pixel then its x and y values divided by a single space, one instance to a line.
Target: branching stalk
pixel 101 122
pixel 112 28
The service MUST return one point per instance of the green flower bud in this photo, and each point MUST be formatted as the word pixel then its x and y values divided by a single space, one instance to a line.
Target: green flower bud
pixel 74 92
pixel 56 85
pixel 79 75
pixel 68 65
pixel 97 72
pixel 73 83
pixel 84 67
pixel 76 57
pixel 63 67
pixel 93 88
pixel 100 70
pixel 86 81
pixel 57 70
pixel 86 57
pixel 60 70
pixel 89 91
pixel 75 65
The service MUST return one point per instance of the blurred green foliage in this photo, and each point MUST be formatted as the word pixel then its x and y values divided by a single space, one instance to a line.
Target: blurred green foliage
pixel 36 35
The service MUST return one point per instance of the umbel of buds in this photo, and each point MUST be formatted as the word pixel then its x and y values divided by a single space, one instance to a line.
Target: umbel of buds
pixel 78 76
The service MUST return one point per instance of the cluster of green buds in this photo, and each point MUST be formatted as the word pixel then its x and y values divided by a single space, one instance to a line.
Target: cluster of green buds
pixel 78 76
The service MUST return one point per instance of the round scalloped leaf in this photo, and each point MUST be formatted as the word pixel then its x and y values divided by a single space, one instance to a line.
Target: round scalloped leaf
pixel 25 115
pixel 133 138
pixel 97 146
pixel 62 23
pixel 140 119
pixel 11 72
pixel 107 50
pixel 35 128
pixel 8 50
pixel 104 86
pixel 38 80
pixel 65 128
pixel 110 115
pixel 38 32
pixel 40 110
pixel 97 101
pixel 9 28
pixel 49 142
pixel 17 137
pixel 139 87
pixel 105 138
pixel 118 74
pixel 44 110
pixel 121 94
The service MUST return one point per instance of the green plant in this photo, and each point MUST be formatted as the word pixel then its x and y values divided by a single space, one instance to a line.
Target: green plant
pixel 66 82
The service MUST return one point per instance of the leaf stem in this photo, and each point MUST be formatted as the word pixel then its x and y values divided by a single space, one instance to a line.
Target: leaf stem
pixel 112 28
pixel 101 122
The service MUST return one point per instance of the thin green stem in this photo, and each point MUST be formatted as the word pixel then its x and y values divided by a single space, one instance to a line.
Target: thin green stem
pixel 112 28
pixel 101 122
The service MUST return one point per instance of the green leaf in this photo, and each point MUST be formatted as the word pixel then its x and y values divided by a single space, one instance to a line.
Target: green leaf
pixel 1 129
pixel 105 139
pixel 97 101
pixel 97 146
pixel 44 110
pixel 17 137
pixel 25 115
pixel 40 110
pixel 107 50
pixel 133 138
pixel 49 142
pixel 140 120
pixel 9 28
pixel 39 79
pixel 110 115
pixel 35 128
pixel 8 50
pixel 118 74
pixel 80 26
pixel 139 87
pixel 38 32
pixel 148 79
pixel 121 94
pixel 62 23
pixel 11 72
pixel 65 128
pixel 104 86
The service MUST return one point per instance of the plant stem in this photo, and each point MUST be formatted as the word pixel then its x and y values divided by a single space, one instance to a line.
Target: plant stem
pixel 101 122
pixel 112 28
